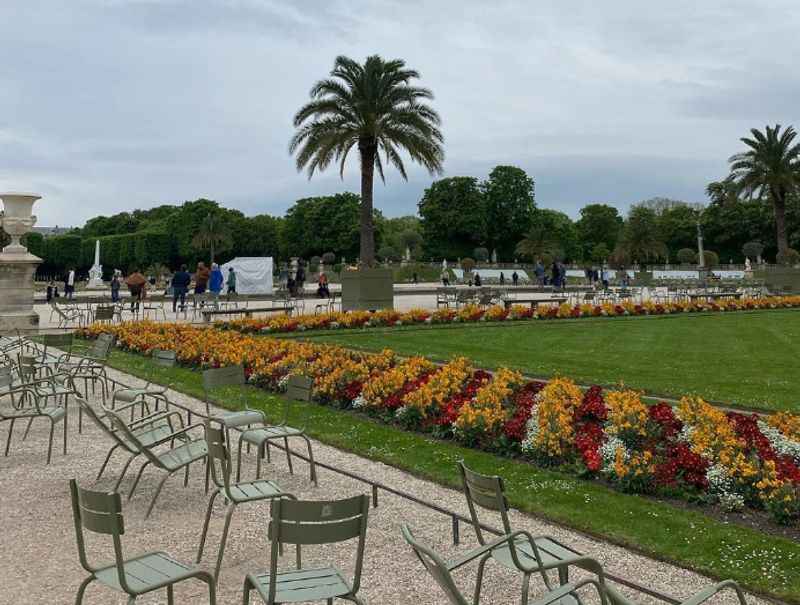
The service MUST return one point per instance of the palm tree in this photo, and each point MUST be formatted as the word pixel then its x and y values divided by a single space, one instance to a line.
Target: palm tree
pixel 771 166
pixel 375 108
pixel 540 243
pixel 212 235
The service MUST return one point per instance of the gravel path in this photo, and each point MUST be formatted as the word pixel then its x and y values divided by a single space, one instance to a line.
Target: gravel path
pixel 39 560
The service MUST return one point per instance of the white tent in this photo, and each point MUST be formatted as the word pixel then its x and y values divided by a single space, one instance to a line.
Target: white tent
pixel 253 274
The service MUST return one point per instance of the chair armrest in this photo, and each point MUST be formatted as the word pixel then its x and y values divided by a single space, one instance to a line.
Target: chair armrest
pixel 555 595
pixel 709 592
pixel 155 417
pixel 189 428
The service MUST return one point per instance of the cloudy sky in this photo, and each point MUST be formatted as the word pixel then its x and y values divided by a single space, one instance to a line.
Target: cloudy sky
pixel 111 105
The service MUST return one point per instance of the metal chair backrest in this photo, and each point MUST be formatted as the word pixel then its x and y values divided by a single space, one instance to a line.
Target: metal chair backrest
pixel 102 346
pixel 114 435
pixel 27 367
pixel 304 522
pixel 99 513
pixel 219 458
pixel 488 493
pixel 104 313
pixel 436 567
pixel 164 358
pixel 62 341
pixel 216 378
pixel 299 388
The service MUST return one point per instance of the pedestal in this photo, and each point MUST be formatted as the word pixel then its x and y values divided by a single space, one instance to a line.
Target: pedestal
pixel 16 292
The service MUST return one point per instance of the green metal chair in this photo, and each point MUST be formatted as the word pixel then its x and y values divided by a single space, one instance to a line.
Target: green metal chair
pixel 307 523
pixel 156 392
pixel 299 388
pixel 525 553
pixel 230 376
pixel 170 461
pixel 101 513
pixel 219 459
pixel 441 572
pixel 150 430
pixel 20 402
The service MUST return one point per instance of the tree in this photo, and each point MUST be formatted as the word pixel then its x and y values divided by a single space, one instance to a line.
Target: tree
pixel 770 167
pixel 711 259
pixel 388 253
pixel 600 252
pixel 410 240
pixel 686 256
pixel 453 218
pixel 316 225
pixel 640 239
pixel 375 108
pixel 510 205
pixel 599 224
pixel 212 235
pixel 551 236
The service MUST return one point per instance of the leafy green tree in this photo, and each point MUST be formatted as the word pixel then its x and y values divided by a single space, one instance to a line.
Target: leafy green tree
pixel 770 167
pixel 213 235
pixel 316 225
pixel 410 240
pixel 600 252
pixel 552 235
pixel 388 253
pixel 711 258
pixel 641 240
pixel 510 205
pixel 599 224
pixel 753 250
pixel 257 235
pixel 375 108
pixel 453 218
pixel 481 254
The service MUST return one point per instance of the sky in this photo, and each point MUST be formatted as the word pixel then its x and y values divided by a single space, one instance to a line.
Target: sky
pixel 113 105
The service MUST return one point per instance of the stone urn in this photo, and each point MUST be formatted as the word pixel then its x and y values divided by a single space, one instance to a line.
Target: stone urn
pixel 18 219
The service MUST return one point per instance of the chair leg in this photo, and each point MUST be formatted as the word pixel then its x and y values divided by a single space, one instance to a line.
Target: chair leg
pixel 526 583
pixel 246 592
pixel 239 462
pixel 155 496
pixel 311 459
pixel 225 529
pixel 27 429
pixel 259 457
pixel 186 476
pixel 139 476
pixel 10 433
pixel 288 455
pixel 122 473
pixel 105 462
pixel 479 579
pixel 205 526
pixel 50 443
pixel 82 590
pixel 131 600
pixel 65 428
pixel 170 595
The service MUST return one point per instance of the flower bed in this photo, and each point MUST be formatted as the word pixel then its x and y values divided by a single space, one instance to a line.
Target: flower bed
pixel 471 313
pixel 694 450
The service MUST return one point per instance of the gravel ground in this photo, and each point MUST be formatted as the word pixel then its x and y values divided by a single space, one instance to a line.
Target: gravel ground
pixel 40 565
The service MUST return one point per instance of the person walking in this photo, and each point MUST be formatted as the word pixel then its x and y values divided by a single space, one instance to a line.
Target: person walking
pixel 502 279
pixel 515 279
pixel 538 271
pixel 52 291
pixel 115 286
pixel 478 282
pixel 69 284
pixel 180 287
pixel 201 278
pixel 300 280
pixel 604 277
pixel 231 281
pixel 445 278
pixel 137 285
pixel 555 275
pixel 215 281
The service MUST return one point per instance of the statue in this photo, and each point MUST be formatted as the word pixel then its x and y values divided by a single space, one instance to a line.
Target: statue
pixel 96 272
pixel 748 268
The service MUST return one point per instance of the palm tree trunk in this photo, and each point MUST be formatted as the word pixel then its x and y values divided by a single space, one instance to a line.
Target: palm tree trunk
pixel 367 149
pixel 779 208
pixel 212 250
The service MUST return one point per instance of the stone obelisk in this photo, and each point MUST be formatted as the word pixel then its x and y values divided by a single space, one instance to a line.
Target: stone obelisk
pixel 96 272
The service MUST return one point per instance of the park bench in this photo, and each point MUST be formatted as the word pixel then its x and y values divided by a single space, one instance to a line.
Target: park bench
pixel 246 311
pixel 534 302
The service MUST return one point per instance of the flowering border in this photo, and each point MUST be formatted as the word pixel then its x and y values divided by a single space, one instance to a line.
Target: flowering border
pixel 282 324
pixel 694 450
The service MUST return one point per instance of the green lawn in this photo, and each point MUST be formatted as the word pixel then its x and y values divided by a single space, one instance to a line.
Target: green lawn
pixel 761 562
pixel 747 359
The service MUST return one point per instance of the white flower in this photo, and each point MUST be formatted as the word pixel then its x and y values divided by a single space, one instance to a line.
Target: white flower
pixel 283 383
pixel 360 402
pixel 782 445
pixel 401 412
pixel 531 431
pixel 608 451
pixel 333 325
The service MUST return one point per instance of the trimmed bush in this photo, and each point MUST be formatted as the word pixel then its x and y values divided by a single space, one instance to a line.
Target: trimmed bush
pixel 686 256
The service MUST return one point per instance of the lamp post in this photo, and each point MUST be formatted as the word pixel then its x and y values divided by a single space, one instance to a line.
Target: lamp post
pixel 17 265
pixel 701 257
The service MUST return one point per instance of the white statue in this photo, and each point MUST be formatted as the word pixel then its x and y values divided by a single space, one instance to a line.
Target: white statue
pixel 747 266
pixel 444 263
pixel 96 272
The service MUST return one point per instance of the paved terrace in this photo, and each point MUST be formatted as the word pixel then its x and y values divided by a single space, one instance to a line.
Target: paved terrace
pixel 39 560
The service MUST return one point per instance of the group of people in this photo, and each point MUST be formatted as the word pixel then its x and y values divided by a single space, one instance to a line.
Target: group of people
pixel 205 279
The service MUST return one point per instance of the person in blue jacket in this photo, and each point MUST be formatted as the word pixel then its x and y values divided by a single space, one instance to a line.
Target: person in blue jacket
pixel 215 280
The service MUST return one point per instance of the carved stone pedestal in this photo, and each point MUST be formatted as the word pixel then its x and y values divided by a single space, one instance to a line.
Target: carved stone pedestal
pixel 16 292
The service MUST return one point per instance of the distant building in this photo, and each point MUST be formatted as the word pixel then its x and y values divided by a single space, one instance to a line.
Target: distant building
pixel 51 231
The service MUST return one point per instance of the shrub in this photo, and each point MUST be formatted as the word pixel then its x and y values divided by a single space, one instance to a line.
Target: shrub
pixel 789 258
pixel 467 264
pixel 481 254
pixel 686 256
pixel 711 258
pixel 388 253
pixel 753 250
pixel 329 258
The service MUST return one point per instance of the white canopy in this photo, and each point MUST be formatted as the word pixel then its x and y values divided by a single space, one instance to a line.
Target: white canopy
pixel 253 274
